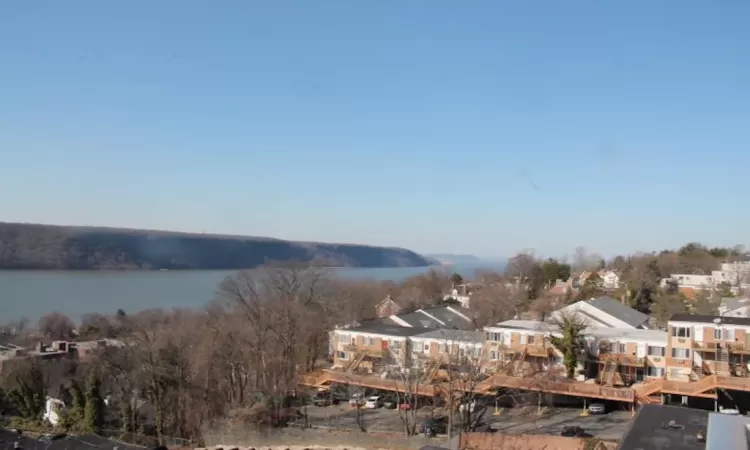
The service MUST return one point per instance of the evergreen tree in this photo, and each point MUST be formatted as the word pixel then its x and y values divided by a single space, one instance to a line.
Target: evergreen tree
pixel 571 344
pixel 30 395
pixel 93 417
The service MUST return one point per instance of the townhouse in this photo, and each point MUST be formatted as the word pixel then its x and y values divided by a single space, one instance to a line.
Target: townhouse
pixel 695 356
pixel 700 345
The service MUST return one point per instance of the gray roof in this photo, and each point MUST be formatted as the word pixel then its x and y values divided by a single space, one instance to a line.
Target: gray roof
pixel 616 309
pixel 453 335
pixel 727 431
pixel 650 430
pixel 450 317
pixel 386 329
pixel 438 317
pixel 703 318
pixel 732 303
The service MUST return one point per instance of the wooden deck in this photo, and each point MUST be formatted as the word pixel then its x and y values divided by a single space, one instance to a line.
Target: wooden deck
pixel 641 393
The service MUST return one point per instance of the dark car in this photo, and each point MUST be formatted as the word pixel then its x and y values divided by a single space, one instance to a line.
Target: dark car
pixel 325 399
pixel 432 426
pixel 573 432
pixel 390 402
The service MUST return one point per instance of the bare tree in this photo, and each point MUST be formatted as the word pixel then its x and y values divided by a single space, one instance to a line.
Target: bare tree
pixel 56 325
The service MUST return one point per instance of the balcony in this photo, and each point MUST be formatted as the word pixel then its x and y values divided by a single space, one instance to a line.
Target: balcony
pixel 621 359
pixel 738 347
pixel 707 346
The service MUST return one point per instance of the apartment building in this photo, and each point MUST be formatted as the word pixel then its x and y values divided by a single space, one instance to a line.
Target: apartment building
pixel 698 345
pixel 373 346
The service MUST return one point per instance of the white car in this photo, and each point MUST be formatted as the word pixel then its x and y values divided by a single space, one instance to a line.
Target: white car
pixel 374 402
pixel 597 408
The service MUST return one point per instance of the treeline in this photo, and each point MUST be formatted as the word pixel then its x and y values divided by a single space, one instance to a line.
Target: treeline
pixel 47 247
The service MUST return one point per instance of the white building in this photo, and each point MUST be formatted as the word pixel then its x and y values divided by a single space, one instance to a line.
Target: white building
pixel 610 279
pixel 604 312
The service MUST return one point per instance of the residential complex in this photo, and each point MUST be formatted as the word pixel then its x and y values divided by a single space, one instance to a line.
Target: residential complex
pixel 624 357
pixel 735 276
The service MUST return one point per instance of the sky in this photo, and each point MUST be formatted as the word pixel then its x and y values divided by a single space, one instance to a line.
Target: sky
pixel 483 127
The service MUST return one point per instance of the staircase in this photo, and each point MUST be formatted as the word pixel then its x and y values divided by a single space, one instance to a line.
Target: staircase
pixel 516 365
pixel 608 376
pixel 431 371
pixel 354 362
pixel 697 374
pixel 647 393
pixel 722 361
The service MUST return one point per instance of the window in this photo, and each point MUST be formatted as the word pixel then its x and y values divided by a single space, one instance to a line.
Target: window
pixel 620 348
pixel 370 342
pixel 462 352
pixel 493 355
pixel 343 338
pixel 395 344
pixel 496 337
pixel 655 371
pixel 680 353
pixel 341 355
pixel 717 334
pixel 728 335
pixel 681 332
pixel 427 347
pixel 656 350
pixel 530 339
pixel 418 346
pixel 443 348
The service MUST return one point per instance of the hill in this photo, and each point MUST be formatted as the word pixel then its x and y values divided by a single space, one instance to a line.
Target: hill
pixel 51 247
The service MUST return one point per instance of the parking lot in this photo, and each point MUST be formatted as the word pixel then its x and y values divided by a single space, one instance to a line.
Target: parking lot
pixel 511 421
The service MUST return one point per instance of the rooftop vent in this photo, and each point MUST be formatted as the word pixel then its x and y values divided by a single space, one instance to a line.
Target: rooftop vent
pixel 673 425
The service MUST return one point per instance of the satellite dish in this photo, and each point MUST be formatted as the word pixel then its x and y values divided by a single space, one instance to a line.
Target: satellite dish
pixel 717 320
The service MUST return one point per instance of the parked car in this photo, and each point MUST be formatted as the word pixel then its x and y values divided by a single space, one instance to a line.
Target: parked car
pixel 432 426
pixel 405 406
pixel 573 432
pixel 324 399
pixel 374 402
pixel 390 402
pixel 357 399
pixel 597 408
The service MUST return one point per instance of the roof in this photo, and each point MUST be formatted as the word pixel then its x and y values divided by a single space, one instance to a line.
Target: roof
pixel 650 429
pixel 732 303
pixel 385 329
pixel 453 335
pixel 619 311
pixel 453 316
pixel 418 319
pixel 727 431
pixel 702 318
pixel 627 333
pixel 530 325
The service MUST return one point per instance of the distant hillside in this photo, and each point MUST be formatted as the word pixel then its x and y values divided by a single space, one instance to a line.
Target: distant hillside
pixel 50 247
pixel 448 258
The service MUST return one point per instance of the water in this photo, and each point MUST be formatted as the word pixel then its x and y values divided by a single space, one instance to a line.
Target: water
pixel 32 294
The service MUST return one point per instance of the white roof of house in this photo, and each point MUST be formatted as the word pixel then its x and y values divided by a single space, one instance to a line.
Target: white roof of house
pixel 599 333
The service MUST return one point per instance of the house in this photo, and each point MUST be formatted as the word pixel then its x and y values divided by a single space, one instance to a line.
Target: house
pixel 699 344
pixel 657 427
pixel 445 347
pixel 604 312
pixel 610 279
pixel 460 293
pixel 734 307
pixel 387 307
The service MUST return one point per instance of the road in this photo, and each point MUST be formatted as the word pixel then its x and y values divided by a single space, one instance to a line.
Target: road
pixel 511 421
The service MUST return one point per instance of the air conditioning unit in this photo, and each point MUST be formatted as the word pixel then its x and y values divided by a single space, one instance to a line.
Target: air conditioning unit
pixel 682 340
pixel 657 359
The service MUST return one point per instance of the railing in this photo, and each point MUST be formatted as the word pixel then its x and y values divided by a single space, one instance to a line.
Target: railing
pixel 709 346
pixel 738 347
pixel 558 387
pixel 619 358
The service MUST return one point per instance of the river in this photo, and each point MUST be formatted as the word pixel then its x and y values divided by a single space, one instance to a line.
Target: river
pixel 32 294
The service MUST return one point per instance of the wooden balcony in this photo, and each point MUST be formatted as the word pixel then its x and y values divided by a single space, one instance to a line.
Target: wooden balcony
pixel 368 351
pixel 676 362
pixel 321 378
pixel 740 348
pixel 705 346
pixel 540 384
pixel 623 360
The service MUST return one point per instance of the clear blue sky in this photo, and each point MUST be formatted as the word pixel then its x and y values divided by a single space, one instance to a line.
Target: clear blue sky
pixel 482 127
